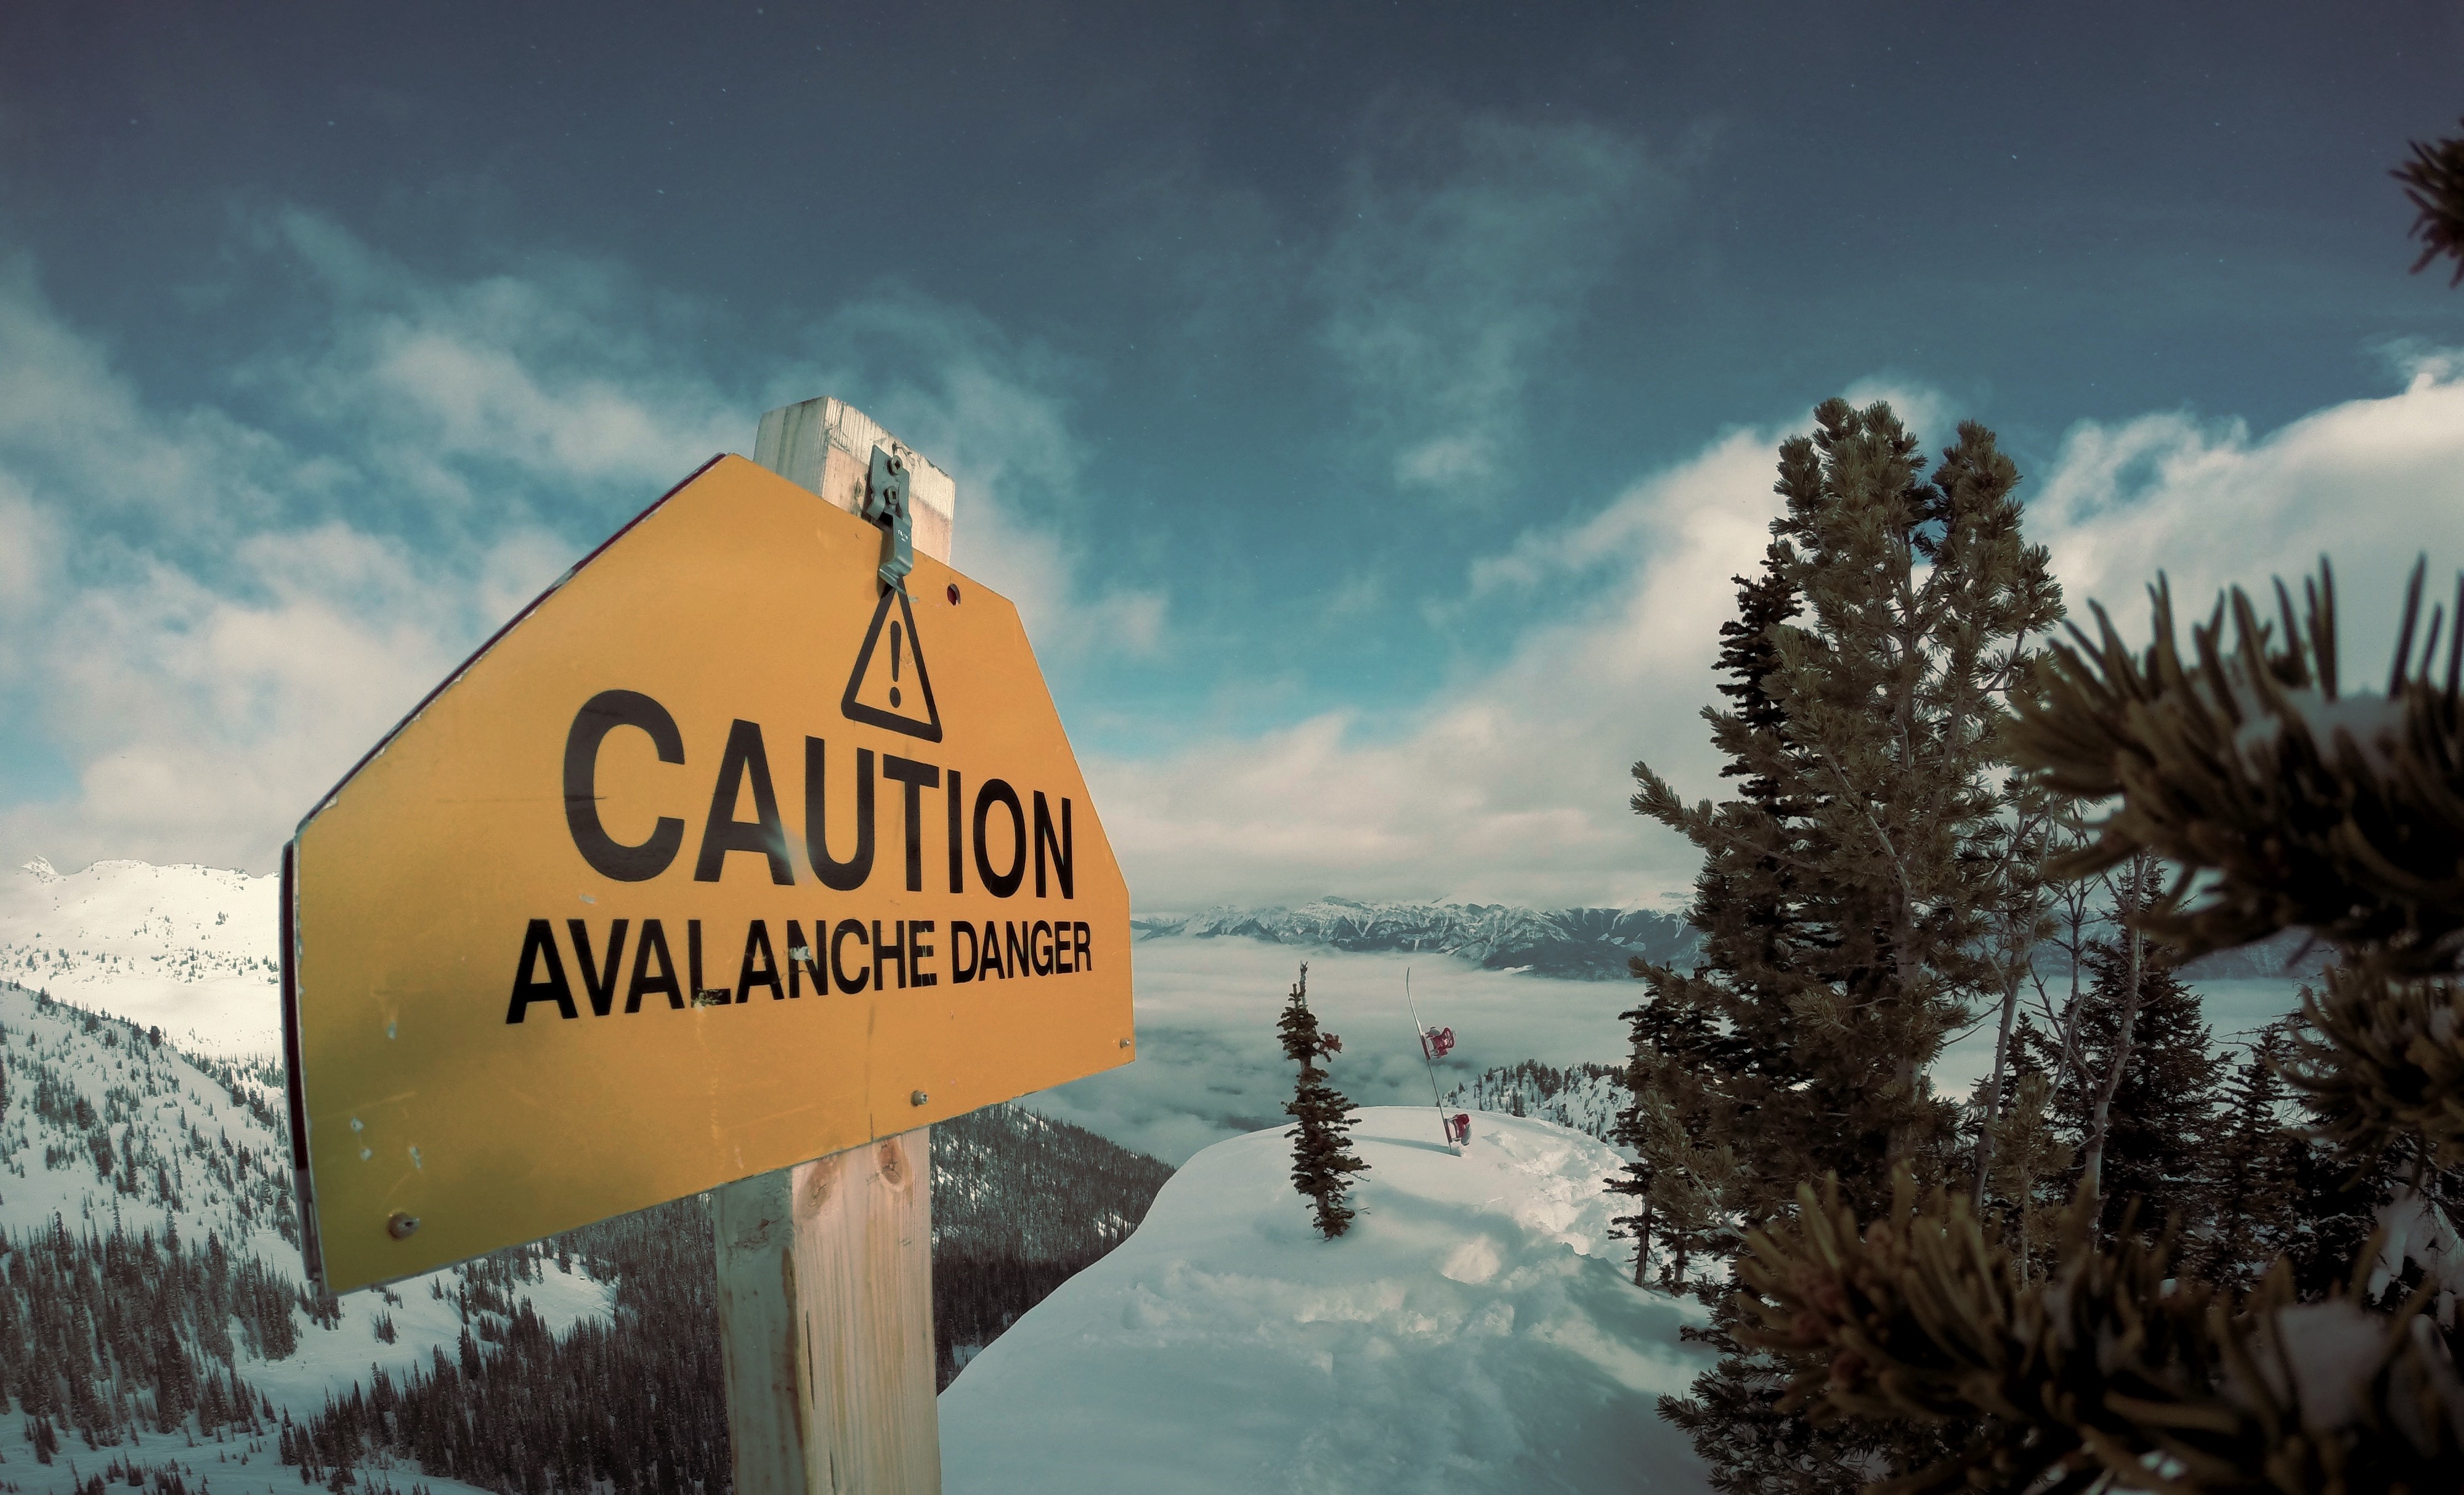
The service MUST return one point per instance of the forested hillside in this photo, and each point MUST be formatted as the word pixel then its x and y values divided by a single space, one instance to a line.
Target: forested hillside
pixel 150 1287
pixel 1586 1097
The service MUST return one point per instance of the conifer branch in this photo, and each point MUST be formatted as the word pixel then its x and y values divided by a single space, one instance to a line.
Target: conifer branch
pixel 2303 807
pixel 2433 182
pixel 1908 884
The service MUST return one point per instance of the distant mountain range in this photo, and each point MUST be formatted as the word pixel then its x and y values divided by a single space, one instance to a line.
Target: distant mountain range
pixel 1571 944
pixel 1582 944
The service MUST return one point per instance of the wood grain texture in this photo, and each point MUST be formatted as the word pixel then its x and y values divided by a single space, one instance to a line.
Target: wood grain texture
pixel 826 1269
pixel 827 445
pixel 863 1284
pixel 760 1329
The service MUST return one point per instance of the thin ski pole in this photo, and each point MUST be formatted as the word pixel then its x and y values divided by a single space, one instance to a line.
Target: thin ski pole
pixel 1445 1127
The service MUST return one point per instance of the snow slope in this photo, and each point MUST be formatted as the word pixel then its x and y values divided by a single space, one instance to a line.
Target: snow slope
pixel 1475 1331
pixel 231 1465
pixel 104 1130
pixel 190 949
pixel 1586 1097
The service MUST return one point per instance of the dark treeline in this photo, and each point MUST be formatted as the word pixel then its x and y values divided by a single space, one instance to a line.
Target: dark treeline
pixel 1020 1205
pixel 638 1404
pixel 104 1336
pixel 107 1332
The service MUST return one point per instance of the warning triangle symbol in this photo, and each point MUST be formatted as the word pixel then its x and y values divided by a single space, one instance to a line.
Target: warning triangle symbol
pixel 889 687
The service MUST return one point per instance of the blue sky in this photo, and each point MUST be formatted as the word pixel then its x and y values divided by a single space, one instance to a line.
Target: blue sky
pixel 1366 404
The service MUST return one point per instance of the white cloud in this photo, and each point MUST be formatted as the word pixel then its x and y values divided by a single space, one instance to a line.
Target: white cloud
pixel 1444 289
pixel 205 720
pixel 984 409
pixel 2371 484
pixel 211 621
pixel 208 622
pixel 1511 784
pixel 1509 787
pixel 441 385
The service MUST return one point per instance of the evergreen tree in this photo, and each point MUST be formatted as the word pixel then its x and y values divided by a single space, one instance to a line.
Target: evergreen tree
pixel 1848 898
pixel 2166 1106
pixel 1681 1175
pixel 2289 803
pixel 2251 1170
pixel 1321 1166
pixel 2028 1157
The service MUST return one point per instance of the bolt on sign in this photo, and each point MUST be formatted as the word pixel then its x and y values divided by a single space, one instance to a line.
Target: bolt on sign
pixel 718 858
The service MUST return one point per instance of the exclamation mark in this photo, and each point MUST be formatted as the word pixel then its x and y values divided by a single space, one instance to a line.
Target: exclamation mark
pixel 894 634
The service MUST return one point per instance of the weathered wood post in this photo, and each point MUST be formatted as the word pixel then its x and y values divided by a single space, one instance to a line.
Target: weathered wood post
pixel 825 1269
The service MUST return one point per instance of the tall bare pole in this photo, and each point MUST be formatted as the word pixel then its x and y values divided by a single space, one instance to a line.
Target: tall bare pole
pixel 1435 1100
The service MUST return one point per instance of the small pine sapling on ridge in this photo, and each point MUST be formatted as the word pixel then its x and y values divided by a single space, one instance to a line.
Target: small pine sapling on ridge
pixel 1322 1162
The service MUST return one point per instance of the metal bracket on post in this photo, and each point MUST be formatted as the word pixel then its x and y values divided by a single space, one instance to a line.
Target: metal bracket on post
pixel 886 502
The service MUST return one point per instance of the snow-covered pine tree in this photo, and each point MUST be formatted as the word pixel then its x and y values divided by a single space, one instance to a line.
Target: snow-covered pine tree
pixel 2288 803
pixel 1322 1164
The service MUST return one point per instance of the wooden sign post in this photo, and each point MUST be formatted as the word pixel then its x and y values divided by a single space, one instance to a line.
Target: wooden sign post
pixel 726 865
pixel 826 1269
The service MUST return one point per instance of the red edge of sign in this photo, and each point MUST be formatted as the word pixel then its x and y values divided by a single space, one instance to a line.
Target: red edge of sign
pixel 511 624
pixel 294 1090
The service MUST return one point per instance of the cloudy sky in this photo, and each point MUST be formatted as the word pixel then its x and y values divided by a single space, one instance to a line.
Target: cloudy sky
pixel 1366 404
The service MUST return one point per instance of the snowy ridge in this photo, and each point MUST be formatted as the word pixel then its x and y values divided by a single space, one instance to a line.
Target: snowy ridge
pixel 1579 944
pixel 190 949
pixel 108 1127
pixel 1476 1329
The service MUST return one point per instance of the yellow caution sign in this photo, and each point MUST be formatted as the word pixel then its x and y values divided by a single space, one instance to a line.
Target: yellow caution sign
pixel 716 859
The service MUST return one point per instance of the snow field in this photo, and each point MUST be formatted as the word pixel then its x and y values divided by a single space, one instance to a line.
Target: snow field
pixel 193 951
pixel 1476 1329
pixel 330 1360
pixel 185 1148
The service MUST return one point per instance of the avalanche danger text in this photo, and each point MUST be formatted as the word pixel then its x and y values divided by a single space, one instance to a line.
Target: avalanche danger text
pixel 995 833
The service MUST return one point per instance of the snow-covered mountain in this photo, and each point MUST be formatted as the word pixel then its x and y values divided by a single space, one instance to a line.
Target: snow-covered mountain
pixel 1476 1329
pixel 1579 944
pixel 191 949
pixel 155 1329
pixel 1587 944
pixel 151 1308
